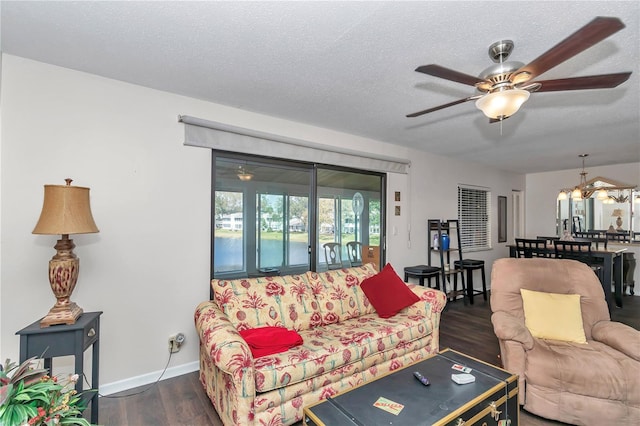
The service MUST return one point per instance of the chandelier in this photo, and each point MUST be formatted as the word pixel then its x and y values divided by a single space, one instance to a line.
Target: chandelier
pixel 602 188
pixel 582 190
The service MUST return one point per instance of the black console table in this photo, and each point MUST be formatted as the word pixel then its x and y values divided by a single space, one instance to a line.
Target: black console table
pixel 62 340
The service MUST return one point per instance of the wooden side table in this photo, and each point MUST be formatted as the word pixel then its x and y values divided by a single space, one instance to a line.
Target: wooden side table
pixel 62 340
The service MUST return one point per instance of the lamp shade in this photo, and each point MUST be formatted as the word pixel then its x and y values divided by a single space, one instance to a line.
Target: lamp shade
pixel 576 194
pixel 65 210
pixel 502 103
pixel 617 213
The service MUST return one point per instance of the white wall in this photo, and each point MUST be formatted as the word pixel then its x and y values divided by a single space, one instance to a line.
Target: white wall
pixel 433 185
pixel 148 267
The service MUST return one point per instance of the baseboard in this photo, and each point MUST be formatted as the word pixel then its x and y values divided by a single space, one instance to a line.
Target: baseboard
pixel 145 379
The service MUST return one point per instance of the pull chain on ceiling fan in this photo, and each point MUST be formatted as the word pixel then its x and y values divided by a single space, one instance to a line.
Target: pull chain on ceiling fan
pixel 506 86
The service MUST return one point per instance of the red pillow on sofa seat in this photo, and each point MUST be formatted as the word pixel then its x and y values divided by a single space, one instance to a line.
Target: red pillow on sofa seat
pixel 388 293
pixel 265 341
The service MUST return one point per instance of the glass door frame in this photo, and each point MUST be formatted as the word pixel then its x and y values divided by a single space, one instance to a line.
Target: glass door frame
pixel 312 226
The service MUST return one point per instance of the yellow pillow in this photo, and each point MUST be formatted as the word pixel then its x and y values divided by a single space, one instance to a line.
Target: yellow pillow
pixel 553 316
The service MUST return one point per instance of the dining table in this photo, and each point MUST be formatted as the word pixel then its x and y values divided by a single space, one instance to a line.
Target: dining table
pixel 611 258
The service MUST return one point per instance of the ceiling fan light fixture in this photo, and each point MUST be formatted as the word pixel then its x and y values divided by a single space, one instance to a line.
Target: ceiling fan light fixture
pixel 508 83
pixel 244 175
pixel 502 104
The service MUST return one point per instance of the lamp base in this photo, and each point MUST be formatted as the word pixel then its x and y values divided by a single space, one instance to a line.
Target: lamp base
pixel 63 276
pixel 619 223
pixel 62 315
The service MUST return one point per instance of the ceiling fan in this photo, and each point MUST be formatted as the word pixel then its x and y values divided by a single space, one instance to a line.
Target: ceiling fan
pixel 505 86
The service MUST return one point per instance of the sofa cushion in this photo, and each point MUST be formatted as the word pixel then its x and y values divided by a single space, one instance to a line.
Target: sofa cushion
pixel 553 316
pixel 338 292
pixel 268 301
pixel 336 347
pixel 388 293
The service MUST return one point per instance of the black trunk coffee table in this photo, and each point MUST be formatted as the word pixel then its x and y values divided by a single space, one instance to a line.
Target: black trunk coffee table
pixel 399 399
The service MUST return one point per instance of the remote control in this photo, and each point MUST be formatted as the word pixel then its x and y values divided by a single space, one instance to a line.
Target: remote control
pixel 421 378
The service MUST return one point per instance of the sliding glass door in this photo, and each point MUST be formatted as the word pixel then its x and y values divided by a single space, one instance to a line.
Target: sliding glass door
pixel 349 211
pixel 283 237
pixel 274 217
pixel 261 217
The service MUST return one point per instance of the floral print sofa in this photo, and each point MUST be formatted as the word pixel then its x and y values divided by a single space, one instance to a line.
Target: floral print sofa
pixel 345 342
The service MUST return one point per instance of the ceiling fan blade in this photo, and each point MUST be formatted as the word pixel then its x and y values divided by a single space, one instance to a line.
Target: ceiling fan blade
pixel 605 81
pixel 439 107
pixel 448 74
pixel 587 36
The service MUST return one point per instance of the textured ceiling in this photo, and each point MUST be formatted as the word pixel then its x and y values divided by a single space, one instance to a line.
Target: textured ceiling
pixel 349 66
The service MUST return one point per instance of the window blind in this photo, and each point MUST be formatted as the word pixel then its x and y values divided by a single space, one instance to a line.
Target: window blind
pixel 473 215
pixel 226 137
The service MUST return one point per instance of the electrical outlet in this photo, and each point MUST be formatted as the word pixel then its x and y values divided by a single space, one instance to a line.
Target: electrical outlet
pixel 175 342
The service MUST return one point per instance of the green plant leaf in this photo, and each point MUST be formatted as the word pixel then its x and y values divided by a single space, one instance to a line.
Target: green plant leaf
pixel 5 393
pixel 74 421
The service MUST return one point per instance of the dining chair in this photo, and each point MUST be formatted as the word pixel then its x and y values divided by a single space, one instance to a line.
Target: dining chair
pixel 354 252
pixel 575 250
pixel 577 224
pixel 618 236
pixel 528 248
pixel 580 251
pixel 333 255
pixel 587 234
pixel 595 241
pixel 548 240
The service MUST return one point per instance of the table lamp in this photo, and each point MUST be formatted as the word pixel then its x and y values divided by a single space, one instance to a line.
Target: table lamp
pixel 618 213
pixel 65 211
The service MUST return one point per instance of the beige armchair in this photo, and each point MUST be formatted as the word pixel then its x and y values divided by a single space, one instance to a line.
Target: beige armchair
pixel 592 383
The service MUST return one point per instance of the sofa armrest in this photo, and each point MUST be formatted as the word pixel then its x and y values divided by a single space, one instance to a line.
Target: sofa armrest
pixel 508 327
pixel 619 336
pixel 435 298
pixel 224 345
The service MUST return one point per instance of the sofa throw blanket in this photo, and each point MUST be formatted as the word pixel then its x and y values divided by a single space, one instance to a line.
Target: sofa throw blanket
pixel 265 341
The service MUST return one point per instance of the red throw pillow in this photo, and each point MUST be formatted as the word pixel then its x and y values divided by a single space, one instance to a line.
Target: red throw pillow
pixel 268 340
pixel 388 293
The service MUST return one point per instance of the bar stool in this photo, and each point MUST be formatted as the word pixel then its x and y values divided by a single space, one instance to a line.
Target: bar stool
pixel 471 265
pixel 421 272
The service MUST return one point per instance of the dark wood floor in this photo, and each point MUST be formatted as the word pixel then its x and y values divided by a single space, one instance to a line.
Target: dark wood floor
pixel 182 401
